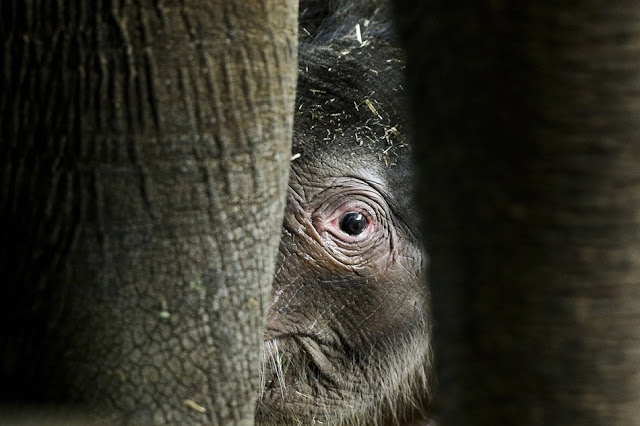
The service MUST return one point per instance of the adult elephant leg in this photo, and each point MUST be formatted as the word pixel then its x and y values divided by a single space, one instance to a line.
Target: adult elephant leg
pixel 529 121
pixel 145 156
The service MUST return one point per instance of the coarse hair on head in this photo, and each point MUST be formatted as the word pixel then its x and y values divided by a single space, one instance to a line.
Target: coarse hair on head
pixel 321 21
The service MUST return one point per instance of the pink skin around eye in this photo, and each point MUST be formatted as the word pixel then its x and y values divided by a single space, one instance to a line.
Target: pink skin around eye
pixel 331 224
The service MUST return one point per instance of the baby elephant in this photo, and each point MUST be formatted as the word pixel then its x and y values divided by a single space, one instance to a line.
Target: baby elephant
pixel 348 328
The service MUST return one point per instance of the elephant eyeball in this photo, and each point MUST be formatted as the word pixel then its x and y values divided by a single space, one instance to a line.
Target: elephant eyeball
pixel 353 223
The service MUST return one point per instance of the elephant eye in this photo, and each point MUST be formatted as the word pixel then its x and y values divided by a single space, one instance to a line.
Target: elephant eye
pixel 353 223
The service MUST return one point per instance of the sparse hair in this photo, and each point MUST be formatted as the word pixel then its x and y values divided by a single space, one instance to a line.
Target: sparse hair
pixel 321 21
pixel 387 386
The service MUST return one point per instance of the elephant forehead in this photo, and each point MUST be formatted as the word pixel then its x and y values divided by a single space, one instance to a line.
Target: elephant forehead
pixel 351 92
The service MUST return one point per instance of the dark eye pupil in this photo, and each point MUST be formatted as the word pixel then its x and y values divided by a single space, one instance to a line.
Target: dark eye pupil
pixel 353 223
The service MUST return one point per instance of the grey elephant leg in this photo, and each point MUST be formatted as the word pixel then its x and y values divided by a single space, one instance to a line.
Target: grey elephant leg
pixel 144 162
pixel 527 124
